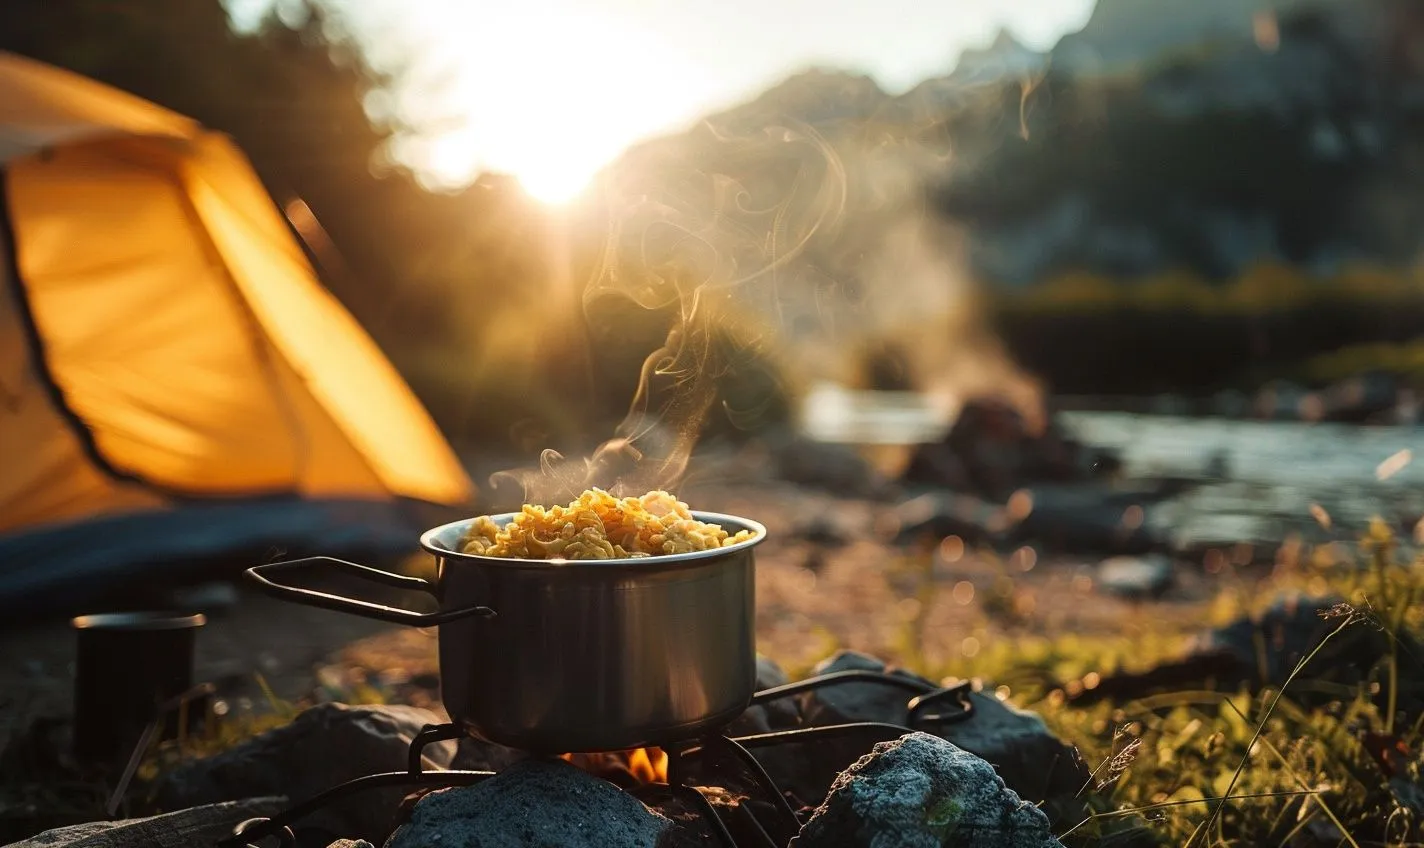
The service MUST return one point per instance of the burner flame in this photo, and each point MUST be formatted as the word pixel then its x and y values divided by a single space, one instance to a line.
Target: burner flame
pixel 625 768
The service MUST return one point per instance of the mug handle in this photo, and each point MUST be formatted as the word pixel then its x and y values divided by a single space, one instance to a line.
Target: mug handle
pixel 355 606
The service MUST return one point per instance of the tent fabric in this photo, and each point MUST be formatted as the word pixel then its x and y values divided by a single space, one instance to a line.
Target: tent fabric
pixel 42 106
pixel 164 336
pixel 37 444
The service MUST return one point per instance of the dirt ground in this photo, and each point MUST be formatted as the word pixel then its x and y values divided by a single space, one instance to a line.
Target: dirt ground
pixel 936 609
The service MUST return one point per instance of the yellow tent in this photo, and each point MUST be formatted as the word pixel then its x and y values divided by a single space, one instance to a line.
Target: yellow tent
pixel 164 341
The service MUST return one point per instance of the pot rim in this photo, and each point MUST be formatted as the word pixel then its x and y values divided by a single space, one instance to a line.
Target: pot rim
pixel 429 540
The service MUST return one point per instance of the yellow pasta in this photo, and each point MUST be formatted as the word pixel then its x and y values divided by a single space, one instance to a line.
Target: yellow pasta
pixel 599 526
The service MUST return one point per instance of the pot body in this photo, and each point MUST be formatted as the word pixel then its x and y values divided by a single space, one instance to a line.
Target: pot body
pixel 586 656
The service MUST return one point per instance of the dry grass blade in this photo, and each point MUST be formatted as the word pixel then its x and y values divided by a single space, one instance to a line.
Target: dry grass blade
pixel 1260 726
pixel 1133 811
pixel 1299 779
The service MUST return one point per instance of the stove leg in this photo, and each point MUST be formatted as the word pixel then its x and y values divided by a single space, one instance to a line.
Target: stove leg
pixel 788 825
pixel 286 838
pixel 429 735
pixel 708 812
pixel 255 830
pixel 676 775
pixel 957 696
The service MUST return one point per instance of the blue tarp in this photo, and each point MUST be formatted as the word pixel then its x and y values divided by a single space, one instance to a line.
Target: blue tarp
pixel 58 566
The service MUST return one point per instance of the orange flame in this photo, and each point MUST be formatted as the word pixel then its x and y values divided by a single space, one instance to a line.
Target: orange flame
pixel 642 765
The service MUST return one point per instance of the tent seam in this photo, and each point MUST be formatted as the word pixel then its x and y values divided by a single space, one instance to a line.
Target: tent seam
pixel 34 340
pixel 88 442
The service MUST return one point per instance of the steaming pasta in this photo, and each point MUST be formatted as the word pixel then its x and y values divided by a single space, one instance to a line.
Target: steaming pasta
pixel 598 526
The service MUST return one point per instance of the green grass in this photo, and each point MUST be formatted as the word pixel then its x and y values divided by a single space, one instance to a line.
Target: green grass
pixel 1301 764
pixel 1405 359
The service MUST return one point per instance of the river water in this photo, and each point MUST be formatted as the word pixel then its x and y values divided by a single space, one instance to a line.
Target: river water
pixel 1258 480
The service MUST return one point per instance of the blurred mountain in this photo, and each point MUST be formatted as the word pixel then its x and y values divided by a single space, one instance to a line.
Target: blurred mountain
pixel 1005 56
pixel 1272 132
pixel 1125 34
pixel 1205 135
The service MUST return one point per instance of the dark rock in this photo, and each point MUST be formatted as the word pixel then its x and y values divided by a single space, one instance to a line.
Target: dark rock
pixel 1264 649
pixel 1092 518
pixel 1281 401
pixel 923 792
pixel 783 713
pixel 1018 743
pixel 1362 397
pixel 1268 647
pixel 815 560
pixel 534 803
pixel 780 714
pixel 929 518
pixel 1139 577
pixel 846 702
pixel 203 825
pixel 807 768
pixel 992 449
pixel 820 530
pixel 1028 757
pixel 833 467
pixel 1197 671
pixel 326 745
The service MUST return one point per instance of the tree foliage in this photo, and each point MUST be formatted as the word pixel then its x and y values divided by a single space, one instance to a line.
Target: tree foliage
pixel 426 273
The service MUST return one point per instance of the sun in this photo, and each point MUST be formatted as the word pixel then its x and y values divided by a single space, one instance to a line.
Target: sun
pixel 555 185
pixel 556 168
pixel 551 96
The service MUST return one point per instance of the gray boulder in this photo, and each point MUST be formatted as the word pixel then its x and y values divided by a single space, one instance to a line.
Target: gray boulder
pixel 846 702
pixel 1030 759
pixel 1262 650
pixel 533 804
pixel 781 714
pixel 326 745
pixel 923 792
pixel 823 465
pixel 182 829
pixel 1269 646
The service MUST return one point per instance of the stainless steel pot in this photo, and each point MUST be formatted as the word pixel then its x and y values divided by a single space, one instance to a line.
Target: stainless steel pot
pixel 579 655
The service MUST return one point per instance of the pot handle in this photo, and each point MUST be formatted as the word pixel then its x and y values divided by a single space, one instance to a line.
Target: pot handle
pixel 367 609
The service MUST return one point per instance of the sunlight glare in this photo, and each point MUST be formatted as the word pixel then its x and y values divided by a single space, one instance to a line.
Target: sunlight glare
pixel 549 96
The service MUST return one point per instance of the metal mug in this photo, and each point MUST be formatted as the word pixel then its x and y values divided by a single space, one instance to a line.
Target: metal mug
pixel 127 665
pixel 578 655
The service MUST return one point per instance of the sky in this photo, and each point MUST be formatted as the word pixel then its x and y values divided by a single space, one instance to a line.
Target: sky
pixel 552 90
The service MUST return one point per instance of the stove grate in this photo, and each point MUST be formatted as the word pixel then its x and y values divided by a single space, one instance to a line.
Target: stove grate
pixel 774 828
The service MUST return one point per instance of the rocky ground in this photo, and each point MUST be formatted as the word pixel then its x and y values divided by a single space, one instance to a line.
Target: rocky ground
pixel 849 565
pixel 828 578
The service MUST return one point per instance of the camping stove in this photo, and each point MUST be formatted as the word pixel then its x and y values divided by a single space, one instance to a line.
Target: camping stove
pixel 763 817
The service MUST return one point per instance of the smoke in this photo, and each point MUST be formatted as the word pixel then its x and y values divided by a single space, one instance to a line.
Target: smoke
pixel 798 249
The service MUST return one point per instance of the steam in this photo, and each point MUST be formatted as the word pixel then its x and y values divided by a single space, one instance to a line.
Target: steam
pixel 811 254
